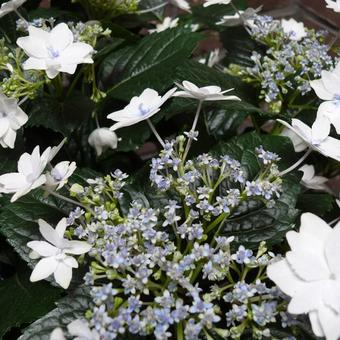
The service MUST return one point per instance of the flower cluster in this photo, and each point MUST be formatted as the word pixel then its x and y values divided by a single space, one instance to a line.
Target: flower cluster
pixel 293 57
pixel 165 270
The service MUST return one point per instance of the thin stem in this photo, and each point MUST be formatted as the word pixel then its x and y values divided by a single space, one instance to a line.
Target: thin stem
pixel 194 124
pixel 20 16
pixel 69 200
pixel 295 165
pixel 334 221
pixel 23 100
pixel 148 10
pixel 153 129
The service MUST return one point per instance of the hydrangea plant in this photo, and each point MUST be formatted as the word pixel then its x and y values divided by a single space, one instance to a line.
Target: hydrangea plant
pixel 174 204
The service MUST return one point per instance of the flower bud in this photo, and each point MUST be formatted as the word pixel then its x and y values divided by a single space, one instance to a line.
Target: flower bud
pixel 101 139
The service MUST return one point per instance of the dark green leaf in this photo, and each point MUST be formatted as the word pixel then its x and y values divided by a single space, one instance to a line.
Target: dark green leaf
pixel 22 301
pixel 316 203
pixel 224 120
pixel 63 117
pixel 253 222
pixel 68 309
pixel 239 46
pixel 151 63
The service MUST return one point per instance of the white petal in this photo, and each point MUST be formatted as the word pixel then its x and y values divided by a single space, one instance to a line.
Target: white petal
pixel 57 334
pixel 76 53
pixel 34 45
pixel 49 233
pixel 4 126
pixel 282 275
pixel 61 227
pixel 320 129
pixel 9 138
pixel 330 147
pixel 77 247
pixel 331 111
pixel 43 269
pixel 307 298
pixel 320 90
pixel 43 248
pixel 330 323
pixel 63 275
pixel 332 251
pixel 61 37
pixel 308 265
pixel 80 328
pixel 315 322
pixel 34 64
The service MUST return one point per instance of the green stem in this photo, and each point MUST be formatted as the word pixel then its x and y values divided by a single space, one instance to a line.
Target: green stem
pixel 69 200
pixel 216 222
pixel 194 124
pixel 179 327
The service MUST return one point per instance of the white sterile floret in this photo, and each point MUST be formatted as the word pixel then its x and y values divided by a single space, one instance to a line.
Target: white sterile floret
pixel 304 137
pixel 80 330
pixel 55 253
pixel 10 6
pixel 182 4
pixel 311 181
pixel 167 23
pixel 140 108
pixel 327 88
pixel 334 5
pixel 294 30
pixel 101 139
pixel 59 175
pixel 310 274
pixel 54 51
pixel 206 93
pixel 12 118
pixel 216 2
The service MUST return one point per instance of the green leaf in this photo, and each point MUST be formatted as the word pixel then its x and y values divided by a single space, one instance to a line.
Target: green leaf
pixel 256 223
pixel 151 63
pixel 239 46
pixel 223 121
pixel 253 222
pixel 23 301
pixel 316 203
pixel 68 309
pixel 63 117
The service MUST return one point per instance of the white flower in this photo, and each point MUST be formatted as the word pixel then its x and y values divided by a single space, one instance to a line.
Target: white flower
pixel 59 175
pixel 309 180
pixel 29 175
pixel 12 118
pixel 310 274
pixel 334 5
pixel 214 58
pixel 295 30
pixel 10 6
pixel 216 2
pixel 81 331
pixel 182 4
pixel 140 108
pixel 316 139
pixel 328 89
pixel 236 19
pixel 55 259
pixel 101 139
pixel 54 51
pixel 167 22
pixel 206 93
pixel 57 334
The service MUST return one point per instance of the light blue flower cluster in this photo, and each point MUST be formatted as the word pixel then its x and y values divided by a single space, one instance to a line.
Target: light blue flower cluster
pixel 286 66
pixel 166 271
